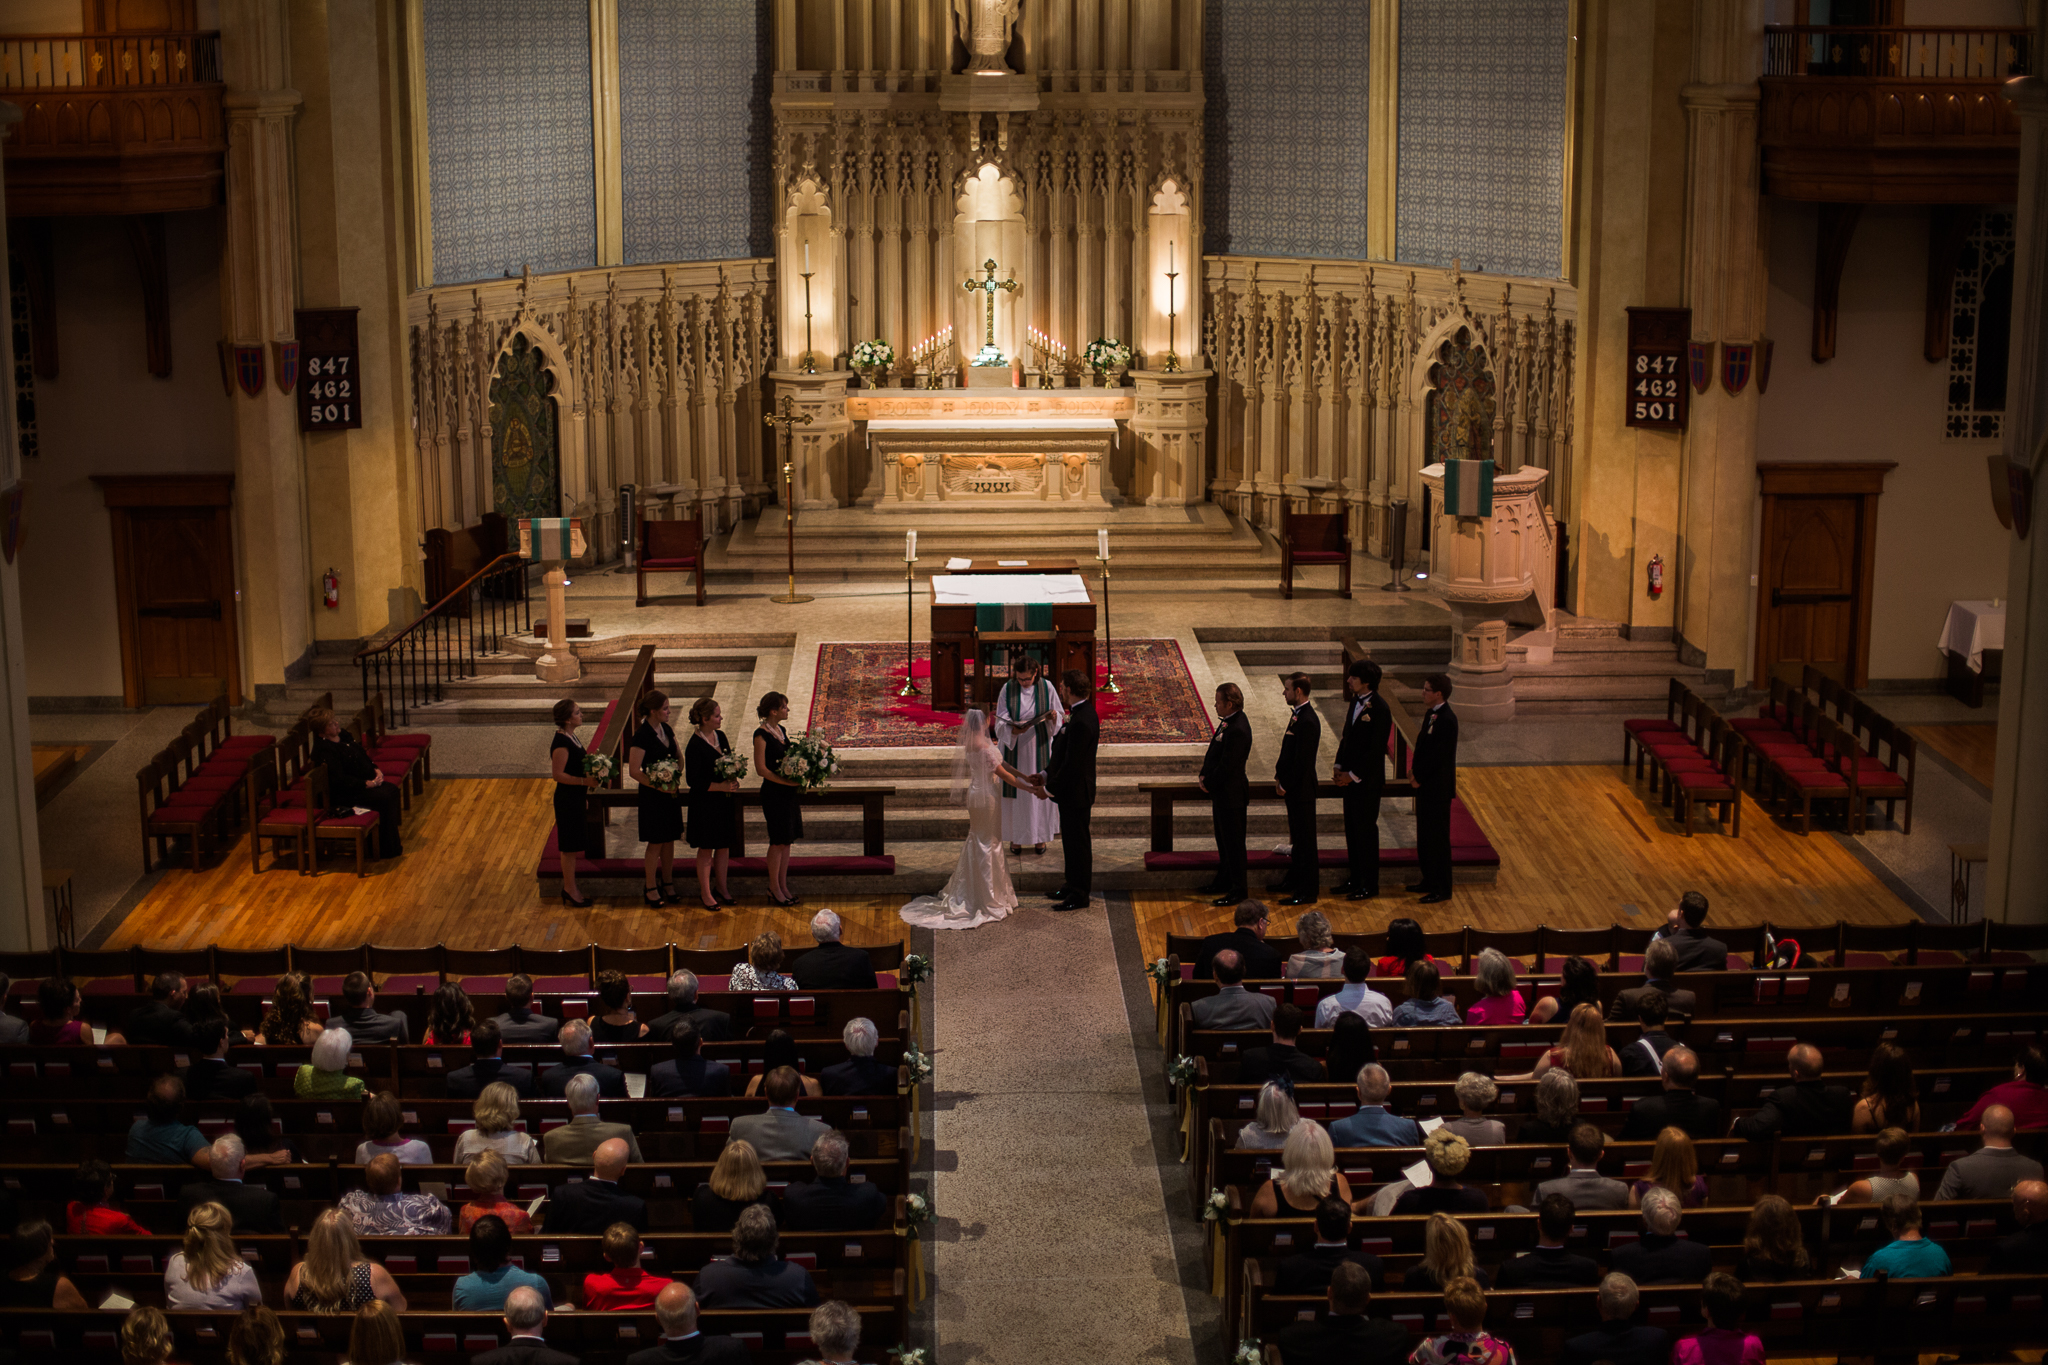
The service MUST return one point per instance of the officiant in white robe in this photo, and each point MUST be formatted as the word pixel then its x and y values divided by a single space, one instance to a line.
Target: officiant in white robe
pixel 1025 746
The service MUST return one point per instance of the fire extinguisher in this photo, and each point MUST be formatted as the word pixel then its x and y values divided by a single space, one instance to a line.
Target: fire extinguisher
pixel 330 589
pixel 1656 576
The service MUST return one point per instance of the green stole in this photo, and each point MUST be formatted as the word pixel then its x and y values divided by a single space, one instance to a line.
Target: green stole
pixel 1041 700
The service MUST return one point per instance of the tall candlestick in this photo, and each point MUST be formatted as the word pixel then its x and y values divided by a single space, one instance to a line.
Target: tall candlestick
pixel 910 545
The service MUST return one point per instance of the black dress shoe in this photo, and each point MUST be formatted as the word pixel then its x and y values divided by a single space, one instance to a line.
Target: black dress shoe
pixel 1361 895
pixel 1435 898
pixel 1342 889
pixel 1418 886
pixel 1236 898
pixel 1071 904
pixel 1059 895
pixel 1300 900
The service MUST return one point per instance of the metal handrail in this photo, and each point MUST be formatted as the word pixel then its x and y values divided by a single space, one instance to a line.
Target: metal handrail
pixel 411 667
pixel 1898 52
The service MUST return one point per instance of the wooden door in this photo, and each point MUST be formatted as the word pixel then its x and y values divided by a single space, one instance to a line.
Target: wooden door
pixel 174 587
pixel 1816 567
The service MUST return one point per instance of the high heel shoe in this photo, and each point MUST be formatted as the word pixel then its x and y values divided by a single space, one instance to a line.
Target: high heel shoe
pixel 781 903
pixel 668 893
pixel 724 899
pixel 713 907
pixel 654 898
pixel 568 899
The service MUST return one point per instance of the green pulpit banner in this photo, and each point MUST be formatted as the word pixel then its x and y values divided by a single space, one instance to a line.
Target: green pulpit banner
pixel 993 616
pixel 1468 488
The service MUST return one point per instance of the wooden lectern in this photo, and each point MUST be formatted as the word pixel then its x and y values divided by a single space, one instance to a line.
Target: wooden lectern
pixel 960 634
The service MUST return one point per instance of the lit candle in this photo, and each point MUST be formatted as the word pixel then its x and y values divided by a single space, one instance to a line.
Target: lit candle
pixel 1102 543
pixel 910 545
pixel 1169 255
pixel 807 258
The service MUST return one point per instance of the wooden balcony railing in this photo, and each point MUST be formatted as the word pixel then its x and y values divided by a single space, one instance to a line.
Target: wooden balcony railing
pixel 1953 54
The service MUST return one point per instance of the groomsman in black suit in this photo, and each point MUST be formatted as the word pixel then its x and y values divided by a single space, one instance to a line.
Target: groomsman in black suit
pixel 1295 779
pixel 1070 783
pixel 1229 793
pixel 1362 773
pixel 1434 766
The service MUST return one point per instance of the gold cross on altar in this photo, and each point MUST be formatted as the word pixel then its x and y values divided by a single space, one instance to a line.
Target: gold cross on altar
pixel 989 354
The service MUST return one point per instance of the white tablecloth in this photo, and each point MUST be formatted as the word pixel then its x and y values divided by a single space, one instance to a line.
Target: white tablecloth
pixel 1972 628
pixel 1010 589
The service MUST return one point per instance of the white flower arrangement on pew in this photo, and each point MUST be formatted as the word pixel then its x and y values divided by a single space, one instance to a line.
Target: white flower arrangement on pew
pixel 729 768
pixel 1162 972
pixel 917 1211
pixel 914 968
pixel 1249 1352
pixel 918 1064
pixel 809 762
pixel 1180 1072
pixel 664 775
pixel 1214 1206
pixel 599 766
pixel 910 1355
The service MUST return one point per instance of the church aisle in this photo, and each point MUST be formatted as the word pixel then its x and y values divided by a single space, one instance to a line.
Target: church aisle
pixel 1052 1239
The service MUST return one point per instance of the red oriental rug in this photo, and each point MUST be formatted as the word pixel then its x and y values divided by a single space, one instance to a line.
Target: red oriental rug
pixel 855 705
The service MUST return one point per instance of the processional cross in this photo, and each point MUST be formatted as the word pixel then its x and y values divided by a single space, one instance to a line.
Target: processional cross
pixel 989 355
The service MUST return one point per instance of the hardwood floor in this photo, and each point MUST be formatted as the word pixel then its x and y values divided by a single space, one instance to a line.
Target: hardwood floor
pixel 1579 846
pixel 1971 746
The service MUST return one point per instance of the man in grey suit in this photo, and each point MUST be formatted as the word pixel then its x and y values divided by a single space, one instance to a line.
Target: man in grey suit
pixel 781 1134
pixel 1582 1182
pixel 1233 1007
pixel 575 1142
pixel 1992 1170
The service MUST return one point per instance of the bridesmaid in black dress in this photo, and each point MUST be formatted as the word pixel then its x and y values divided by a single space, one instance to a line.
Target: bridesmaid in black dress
pixel 661 813
pixel 781 799
pixel 714 814
pixel 572 835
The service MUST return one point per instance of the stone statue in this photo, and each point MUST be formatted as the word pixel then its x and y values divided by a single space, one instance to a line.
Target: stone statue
pixel 985 30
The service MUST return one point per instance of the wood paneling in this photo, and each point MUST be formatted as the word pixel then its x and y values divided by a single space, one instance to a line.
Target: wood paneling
pixel 1819 543
pixel 174 586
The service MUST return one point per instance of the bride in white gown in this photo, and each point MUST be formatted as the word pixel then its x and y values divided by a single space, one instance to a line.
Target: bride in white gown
pixel 979 891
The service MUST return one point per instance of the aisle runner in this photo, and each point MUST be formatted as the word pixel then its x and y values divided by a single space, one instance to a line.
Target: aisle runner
pixel 1053 1242
pixel 855 705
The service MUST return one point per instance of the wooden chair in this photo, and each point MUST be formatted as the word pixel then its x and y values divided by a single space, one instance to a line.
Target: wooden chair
pixel 168 813
pixel 1826 773
pixel 1715 783
pixel 1314 538
pixel 270 820
pixel 670 547
pixel 1633 729
pixel 1889 780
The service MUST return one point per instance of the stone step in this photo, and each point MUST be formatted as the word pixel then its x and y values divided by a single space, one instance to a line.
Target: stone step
pixel 1191 826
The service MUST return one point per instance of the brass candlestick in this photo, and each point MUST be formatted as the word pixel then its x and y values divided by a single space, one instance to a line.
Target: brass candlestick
pixel 1109 683
pixel 810 358
pixel 1172 361
pixel 786 421
pixel 909 688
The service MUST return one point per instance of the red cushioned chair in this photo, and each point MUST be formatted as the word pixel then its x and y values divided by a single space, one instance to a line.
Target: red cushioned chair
pixel 169 813
pixel 671 547
pixel 1714 783
pixel 270 820
pixel 1634 729
pixel 1314 538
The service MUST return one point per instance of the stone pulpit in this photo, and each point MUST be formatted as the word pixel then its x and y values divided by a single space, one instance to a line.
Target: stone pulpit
pixel 1492 571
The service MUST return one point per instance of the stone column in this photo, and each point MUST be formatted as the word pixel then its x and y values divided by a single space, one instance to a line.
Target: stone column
pixel 1170 426
pixel 259 287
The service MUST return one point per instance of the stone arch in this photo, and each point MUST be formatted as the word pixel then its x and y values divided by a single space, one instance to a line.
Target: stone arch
pixel 808 226
pixel 1170 245
pixel 988 224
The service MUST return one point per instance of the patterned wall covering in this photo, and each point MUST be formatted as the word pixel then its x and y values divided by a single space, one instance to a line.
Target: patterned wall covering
pixel 509 137
pixel 1286 128
pixel 526 469
pixel 1482 135
pixel 1980 340
pixel 694 128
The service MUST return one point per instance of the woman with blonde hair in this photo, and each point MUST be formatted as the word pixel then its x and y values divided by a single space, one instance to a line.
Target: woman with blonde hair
pixel 1773 1247
pixel 146 1336
pixel 486 1176
pixel 208 1273
pixel 335 1277
pixel 1675 1166
pixel 762 971
pixel 737 1181
pixel 1467 1343
pixel 1271 1122
pixel 257 1338
pixel 376 1338
pixel 1308 1175
pixel 1581 1049
pixel 326 1076
pixel 1499 1002
pixel 497 1128
pixel 1557 1109
pixel 1319 955
pixel 290 1020
pixel 1446 1256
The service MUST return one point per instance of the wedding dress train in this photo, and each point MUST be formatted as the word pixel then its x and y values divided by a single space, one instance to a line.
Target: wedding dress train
pixel 979 891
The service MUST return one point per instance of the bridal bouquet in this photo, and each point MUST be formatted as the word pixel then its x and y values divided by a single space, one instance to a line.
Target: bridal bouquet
pixel 598 766
pixel 1106 353
pixel 730 768
pixel 873 353
pixel 809 762
pixel 664 775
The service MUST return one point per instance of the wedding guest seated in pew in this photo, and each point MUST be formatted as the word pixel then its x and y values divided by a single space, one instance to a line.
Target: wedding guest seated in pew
pixel 835 1331
pixel 860 1073
pixel 384 1208
pixel 254 1208
pixel 1283 1057
pixel 1774 1245
pixel 1557 1110
pixel 1345 1335
pixel 290 1020
pixel 1697 950
pixel 1246 938
pixel 590 1206
pixel 616 1023
pixel 762 971
pixel 496 1112
pixel 1578 984
pixel 1319 955
pixel 2026 1094
pixel 1354 996
pixel 756 1277
pixel 832 965
pixel 1619 1339
pixel 1351 1046
pixel 1581 1049
pixel 376 1334
pixel 360 1016
pixel 781 1134
pixel 257 1338
pixel 1674 1166
pixel 326 1076
pixel 451 1019
pixel 713 1026
pixel 1406 946
pixel 161 1137
pixel 675 1308
pixel 488 1067
pixel 160 1021
pixel 1910 1254
pixel 520 1023
pixel 1808 1107
pixel 1660 1255
pixel 32 1280
pixel 1891 1095
pixel 1232 1007
pixel 383 1117
pixel 1426 1006
pixel 1374 1125
pixel 1549 1265
pixel 256 1125
pixel 1446 1256
pixel 486 1175
pixel 146 1336
pixel 335 1276
pixel 1307 1176
pixel 1992 1170
pixel 737 1183
pixel 1645 1056
pixel 1723 1342
pixel 92 1213
pixel 207 1273
pixel 1660 964
pixel 1468 1342
pixel 689 1072
pixel 526 1319
pixel 1447 1155
pixel 779 1049
pixel 210 1075
pixel 60 1023
pixel 2025 1252
pixel 1309 1272
pixel 575 1141
pixel 1679 1106
pixel 831 1201
pixel 1891 1176
pixel 1582 1182
pixel 1273 1118
pixel 1476 1094
pixel 1499 1002
pixel 492 1277
pixel 578 1061
pixel 625 1287
pixel 13 1028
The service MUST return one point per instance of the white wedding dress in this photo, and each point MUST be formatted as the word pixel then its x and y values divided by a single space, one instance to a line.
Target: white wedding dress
pixel 979 891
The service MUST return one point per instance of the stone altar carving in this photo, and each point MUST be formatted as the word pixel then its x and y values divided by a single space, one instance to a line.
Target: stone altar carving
pixel 985 31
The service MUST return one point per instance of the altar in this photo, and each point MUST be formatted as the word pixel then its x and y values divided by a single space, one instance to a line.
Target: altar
pixel 984 616
pixel 990 449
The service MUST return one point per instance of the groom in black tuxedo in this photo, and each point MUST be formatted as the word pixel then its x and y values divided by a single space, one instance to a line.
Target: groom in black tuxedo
pixel 1070 784
pixel 1229 793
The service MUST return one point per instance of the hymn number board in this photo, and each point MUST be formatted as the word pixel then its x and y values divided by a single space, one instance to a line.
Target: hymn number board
pixel 330 378
pixel 1658 396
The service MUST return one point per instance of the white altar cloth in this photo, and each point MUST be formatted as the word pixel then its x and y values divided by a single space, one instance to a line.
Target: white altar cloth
pixel 1972 628
pixel 979 424
pixel 1061 589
